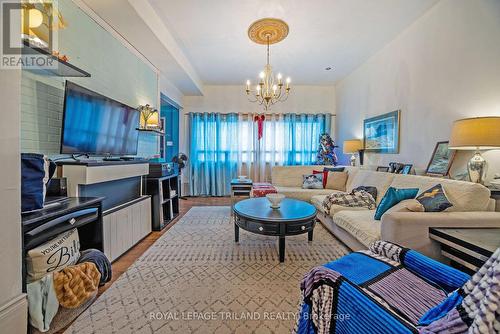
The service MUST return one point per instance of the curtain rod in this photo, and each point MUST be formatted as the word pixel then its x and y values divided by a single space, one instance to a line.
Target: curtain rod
pixel 252 114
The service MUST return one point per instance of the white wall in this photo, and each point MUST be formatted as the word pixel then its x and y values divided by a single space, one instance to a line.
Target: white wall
pixel 445 66
pixel 232 99
pixel 13 305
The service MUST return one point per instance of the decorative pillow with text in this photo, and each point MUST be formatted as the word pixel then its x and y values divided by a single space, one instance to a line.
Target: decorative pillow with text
pixel 56 254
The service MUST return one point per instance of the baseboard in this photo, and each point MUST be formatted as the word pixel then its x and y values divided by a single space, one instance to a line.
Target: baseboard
pixel 14 315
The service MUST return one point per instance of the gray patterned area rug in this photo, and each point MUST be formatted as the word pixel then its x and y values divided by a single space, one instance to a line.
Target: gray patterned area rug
pixel 196 279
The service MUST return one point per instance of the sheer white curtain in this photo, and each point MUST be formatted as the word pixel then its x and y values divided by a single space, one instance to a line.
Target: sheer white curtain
pixel 256 157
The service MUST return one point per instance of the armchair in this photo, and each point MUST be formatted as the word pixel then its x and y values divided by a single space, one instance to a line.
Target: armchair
pixel 391 289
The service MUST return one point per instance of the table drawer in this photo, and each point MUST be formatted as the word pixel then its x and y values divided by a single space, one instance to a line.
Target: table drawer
pixel 299 228
pixel 267 228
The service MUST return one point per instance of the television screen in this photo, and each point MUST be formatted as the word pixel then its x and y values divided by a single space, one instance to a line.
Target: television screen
pixel 95 124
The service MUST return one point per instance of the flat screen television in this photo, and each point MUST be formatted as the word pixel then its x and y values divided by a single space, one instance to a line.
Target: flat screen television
pixel 96 124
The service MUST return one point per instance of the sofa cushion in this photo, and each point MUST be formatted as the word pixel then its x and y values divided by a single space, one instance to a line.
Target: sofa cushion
pixel 336 180
pixel 302 194
pixel 465 196
pixel 360 224
pixel 408 205
pixel 381 181
pixel 291 176
pixel 317 201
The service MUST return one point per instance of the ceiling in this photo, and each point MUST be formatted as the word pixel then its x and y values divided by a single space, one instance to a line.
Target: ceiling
pixel 211 36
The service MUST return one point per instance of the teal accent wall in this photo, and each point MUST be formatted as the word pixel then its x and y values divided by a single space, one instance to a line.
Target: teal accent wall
pixel 115 72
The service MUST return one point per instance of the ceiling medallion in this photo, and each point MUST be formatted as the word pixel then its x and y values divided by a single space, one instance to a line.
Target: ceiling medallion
pixel 269 90
pixel 274 29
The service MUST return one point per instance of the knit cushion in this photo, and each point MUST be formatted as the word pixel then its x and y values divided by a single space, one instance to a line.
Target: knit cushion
pixel 74 285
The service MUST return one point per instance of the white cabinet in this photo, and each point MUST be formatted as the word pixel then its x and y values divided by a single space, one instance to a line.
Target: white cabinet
pixel 125 227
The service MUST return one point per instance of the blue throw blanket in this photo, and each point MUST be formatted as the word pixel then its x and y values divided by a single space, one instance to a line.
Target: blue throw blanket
pixel 391 289
pixel 101 262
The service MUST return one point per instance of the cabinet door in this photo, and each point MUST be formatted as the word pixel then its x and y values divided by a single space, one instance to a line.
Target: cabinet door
pixel 106 222
pixel 125 227
pixel 146 217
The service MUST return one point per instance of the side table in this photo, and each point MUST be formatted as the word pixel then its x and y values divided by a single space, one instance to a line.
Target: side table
pixel 495 194
pixel 240 190
pixel 466 248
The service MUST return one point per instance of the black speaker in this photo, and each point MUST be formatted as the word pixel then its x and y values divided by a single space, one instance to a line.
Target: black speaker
pixel 57 186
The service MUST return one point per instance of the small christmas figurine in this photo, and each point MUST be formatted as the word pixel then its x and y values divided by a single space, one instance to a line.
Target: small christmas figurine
pixel 326 151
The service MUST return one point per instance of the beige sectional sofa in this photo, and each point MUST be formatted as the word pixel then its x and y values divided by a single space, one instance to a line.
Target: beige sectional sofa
pixel 357 228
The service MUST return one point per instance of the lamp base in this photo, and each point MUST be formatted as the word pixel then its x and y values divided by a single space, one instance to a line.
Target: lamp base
pixel 477 168
pixel 353 160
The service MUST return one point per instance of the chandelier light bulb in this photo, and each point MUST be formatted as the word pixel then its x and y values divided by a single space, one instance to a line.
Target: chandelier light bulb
pixel 262 75
pixel 288 80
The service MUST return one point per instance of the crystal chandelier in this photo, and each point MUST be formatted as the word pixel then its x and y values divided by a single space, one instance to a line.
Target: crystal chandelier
pixel 270 89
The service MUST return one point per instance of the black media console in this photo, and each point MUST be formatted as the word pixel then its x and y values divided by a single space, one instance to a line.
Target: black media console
pixel 164 193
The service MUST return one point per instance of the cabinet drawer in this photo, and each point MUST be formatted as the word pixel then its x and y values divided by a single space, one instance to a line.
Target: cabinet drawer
pixel 267 228
pixel 299 228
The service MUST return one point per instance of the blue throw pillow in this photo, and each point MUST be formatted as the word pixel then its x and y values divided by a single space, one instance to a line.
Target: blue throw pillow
pixel 434 199
pixel 36 172
pixel 334 169
pixel 441 309
pixel 392 197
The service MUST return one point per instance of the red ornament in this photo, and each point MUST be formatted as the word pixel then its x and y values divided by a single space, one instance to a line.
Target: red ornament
pixel 260 125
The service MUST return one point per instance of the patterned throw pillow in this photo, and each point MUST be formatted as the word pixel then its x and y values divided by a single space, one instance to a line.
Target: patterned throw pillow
pixel 369 189
pixel 392 197
pixel 312 181
pixel 360 199
pixel 434 199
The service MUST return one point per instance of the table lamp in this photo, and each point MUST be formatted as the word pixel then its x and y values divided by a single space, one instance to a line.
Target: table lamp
pixel 352 146
pixel 480 133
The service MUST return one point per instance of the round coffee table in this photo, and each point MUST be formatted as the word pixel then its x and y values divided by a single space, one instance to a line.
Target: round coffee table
pixel 292 218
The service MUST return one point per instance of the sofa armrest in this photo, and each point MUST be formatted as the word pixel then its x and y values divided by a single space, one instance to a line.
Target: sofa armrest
pixel 447 277
pixel 356 312
pixel 411 229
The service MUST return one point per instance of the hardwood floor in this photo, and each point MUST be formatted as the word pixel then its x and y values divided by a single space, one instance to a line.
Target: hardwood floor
pixel 126 260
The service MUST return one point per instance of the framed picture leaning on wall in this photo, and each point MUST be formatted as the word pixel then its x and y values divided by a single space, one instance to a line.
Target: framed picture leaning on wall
pixel 381 133
pixel 441 160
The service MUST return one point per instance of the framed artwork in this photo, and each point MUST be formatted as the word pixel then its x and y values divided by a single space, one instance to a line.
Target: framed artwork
pixel 381 133
pixel 383 169
pixel 406 169
pixel 441 160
